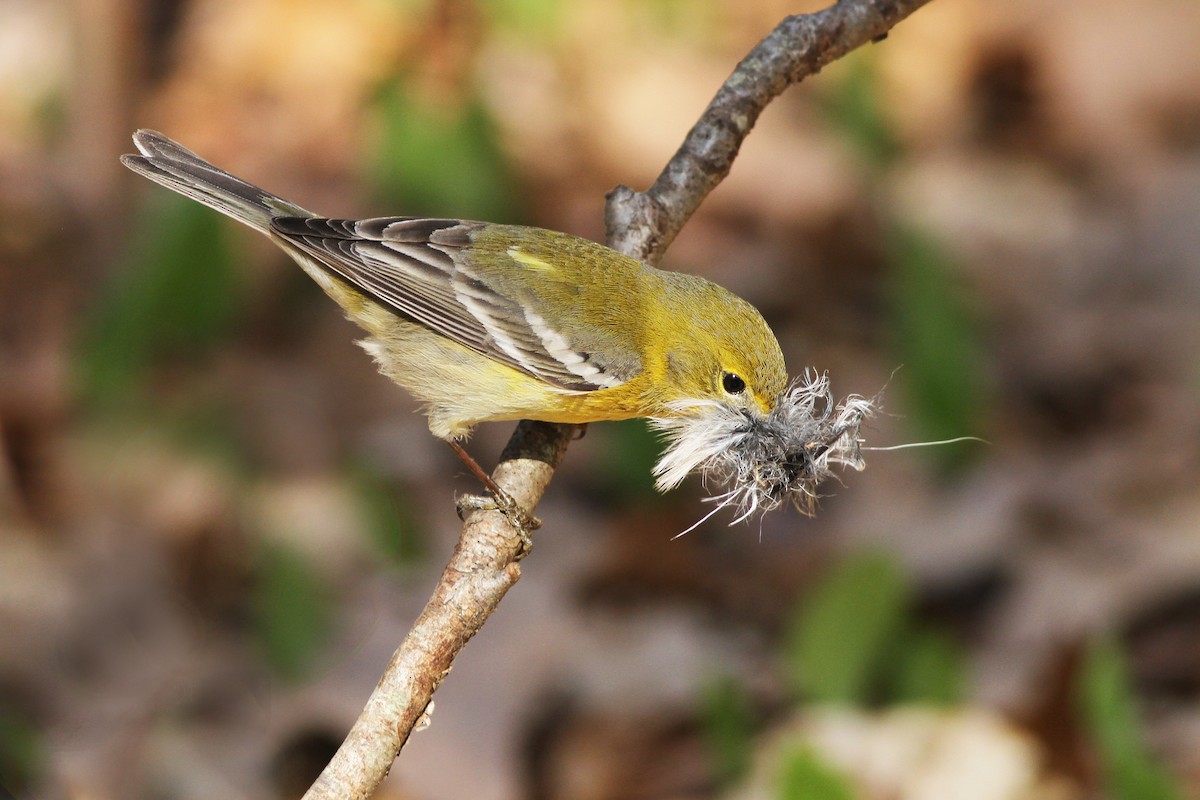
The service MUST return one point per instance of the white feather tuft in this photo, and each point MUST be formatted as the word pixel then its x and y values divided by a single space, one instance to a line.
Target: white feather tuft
pixel 764 462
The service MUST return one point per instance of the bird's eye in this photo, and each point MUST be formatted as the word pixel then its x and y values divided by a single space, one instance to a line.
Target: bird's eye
pixel 733 383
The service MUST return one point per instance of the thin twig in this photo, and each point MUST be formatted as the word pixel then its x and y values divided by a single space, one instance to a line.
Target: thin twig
pixel 642 224
pixel 481 570
pixel 484 564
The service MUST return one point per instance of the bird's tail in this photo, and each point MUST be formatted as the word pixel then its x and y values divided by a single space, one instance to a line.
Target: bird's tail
pixel 179 169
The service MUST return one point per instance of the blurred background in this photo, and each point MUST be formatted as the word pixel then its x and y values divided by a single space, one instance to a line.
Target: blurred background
pixel 217 521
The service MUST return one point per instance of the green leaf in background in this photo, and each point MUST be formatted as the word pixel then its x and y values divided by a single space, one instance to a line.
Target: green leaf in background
pixel 852 107
pixel 625 455
pixel 1109 708
pixel 729 727
pixel 843 627
pixel 692 21
pixel 175 297
pixel 388 515
pixel 292 611
pixel 936 342
pixel 20 753
pixel 532 20
pixel 804 776
pixel 930 669
pixel 441 159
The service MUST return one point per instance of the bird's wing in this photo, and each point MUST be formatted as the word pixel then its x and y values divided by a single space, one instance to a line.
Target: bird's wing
pixel 416 267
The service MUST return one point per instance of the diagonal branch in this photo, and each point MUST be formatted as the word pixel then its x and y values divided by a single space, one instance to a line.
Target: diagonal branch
pixel 642 224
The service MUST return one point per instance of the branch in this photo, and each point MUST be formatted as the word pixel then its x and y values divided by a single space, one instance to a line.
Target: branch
pixel 481 570
pixel 642 224
pixel 484 564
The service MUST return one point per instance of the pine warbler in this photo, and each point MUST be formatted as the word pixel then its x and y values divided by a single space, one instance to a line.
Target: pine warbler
pixel 484 322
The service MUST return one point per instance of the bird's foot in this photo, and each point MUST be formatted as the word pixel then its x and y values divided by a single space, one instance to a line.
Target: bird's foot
pixel 522 522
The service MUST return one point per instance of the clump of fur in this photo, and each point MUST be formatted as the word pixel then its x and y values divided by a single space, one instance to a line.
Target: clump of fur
pixel 765 462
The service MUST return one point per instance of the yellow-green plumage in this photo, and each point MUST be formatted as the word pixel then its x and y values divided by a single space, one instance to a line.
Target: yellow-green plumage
pixel 489 322
pixel 646 318
pixel 500 322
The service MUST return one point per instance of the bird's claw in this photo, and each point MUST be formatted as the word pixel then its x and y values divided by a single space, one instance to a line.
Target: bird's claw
pixel 523 522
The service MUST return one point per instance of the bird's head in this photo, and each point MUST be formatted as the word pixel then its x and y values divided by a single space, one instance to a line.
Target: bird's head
pixel 735 419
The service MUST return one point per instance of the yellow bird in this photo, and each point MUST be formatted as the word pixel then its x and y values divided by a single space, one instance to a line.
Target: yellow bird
pixel 485 322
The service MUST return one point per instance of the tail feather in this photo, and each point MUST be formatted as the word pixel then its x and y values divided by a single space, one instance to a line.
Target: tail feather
pixel 174 166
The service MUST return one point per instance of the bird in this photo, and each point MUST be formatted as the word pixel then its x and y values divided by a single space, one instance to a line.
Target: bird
pixel 485 322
